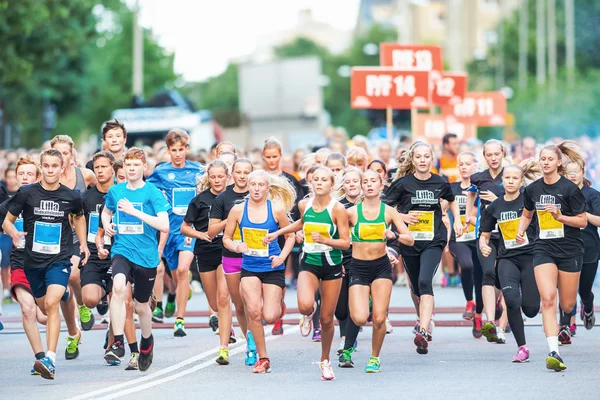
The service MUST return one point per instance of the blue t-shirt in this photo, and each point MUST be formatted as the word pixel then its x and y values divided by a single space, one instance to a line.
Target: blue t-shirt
pixel 136 240
pixel 179 187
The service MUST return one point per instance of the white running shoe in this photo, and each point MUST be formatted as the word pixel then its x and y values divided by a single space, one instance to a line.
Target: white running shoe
pixel 326 371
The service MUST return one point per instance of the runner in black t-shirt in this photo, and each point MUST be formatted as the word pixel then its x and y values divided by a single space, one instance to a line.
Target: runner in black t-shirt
pixel 208 250
pixel 558 252
pixel 417 195
pixel 46 208
pixel 488 184
pixel 591 240
pixel 515 261
pixel 232 262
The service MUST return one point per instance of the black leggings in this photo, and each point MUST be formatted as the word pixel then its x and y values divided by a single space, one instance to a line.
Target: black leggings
pixel 586 281
pixel 422 268
pixel 488 264
pixel 520 292
pixel 342 312
pixel 470 270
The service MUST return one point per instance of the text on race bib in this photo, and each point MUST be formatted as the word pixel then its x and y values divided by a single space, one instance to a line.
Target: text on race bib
pixel 510 230
pixel 254 240
pixel 424 229
pixel 469 233
pixel 550 228
pixel 310 246
pixel 93 224
pixel 47 237
pixel 128 224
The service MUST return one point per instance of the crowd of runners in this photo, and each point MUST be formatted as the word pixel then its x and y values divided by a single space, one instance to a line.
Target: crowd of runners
pixel 120 230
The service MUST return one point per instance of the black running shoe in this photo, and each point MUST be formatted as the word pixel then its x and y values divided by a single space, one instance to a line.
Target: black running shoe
pixel 146 356
pixel 554 362
pixel 564 336
pixel 213 321
pixel 116 352
pixel 102 306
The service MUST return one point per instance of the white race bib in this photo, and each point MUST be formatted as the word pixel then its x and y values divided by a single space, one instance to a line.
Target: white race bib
pixel 20 228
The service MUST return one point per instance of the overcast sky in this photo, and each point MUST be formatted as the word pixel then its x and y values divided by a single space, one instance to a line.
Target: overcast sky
pixel 205 34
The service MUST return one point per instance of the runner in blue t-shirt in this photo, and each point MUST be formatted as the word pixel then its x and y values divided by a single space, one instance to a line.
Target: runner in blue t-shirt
pixel 140 211
pixel 178 180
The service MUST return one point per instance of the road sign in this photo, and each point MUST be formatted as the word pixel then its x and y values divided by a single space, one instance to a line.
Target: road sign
pixel 411 57
pixel 479 108
pixel 380 88
pixel 448 88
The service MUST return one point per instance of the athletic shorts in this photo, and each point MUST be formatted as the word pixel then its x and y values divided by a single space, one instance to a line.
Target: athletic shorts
pixel 18 279
pixel 565 264
pixel 95 273
pixel 276 277
pixel 322 272
pixel 40 278
pixel 5 250
pixel 175 244
pixel 142 278
pixel 209 261
pixel 364 272
pixel 232 265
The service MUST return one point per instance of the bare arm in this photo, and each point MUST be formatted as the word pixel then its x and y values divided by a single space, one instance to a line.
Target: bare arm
pixel 471 197
pixel 576 221
pixel 593 219
pixel 404 235
pixel 187 230
pixel 80 230
pixel 89 177
pixel 216 226
pixel 232 221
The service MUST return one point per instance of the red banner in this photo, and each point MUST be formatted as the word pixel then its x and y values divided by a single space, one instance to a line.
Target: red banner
pixel 411 57
pixel 432 128
pixel 479 108
pixel 449 88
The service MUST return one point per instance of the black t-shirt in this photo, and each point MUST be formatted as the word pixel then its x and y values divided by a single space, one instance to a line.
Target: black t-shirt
pixel 507 215
pixel 46 213
pixel 17 254
pixel 410 194
pixel 483 181
pixel 461 199
pixel 555 238
pixel 589 234
pixel 198 214
pixel 221 208
pixel 93 203
pixel 301 192
pixel 346 254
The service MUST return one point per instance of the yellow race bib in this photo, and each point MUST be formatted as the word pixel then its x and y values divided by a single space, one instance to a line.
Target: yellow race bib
pixel 254 240
pixel 423 230
pixel 550 228
pixel 509 230
pixel 371 232
pixel 317 227
pixel 469 233
pixel 237 235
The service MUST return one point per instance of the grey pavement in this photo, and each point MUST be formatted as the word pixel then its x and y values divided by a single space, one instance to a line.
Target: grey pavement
pixel 457 366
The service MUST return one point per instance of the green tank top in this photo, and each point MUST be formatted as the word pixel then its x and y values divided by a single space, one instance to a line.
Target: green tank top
pixel 369 230
pixel 322 222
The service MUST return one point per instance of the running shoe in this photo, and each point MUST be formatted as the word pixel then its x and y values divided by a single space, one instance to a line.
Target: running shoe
pixel 522 355
pixel 223 358
pixel 232 339
pixel 477 321
pixel 170 309
pixel 490 332
pixel 250 358
pixel 72 350
pixel 158 316
pixel 196 287
pixel 146 356
pixel 1 326
pixel 373 366
pixel 445 279
pixel 179 328
pixel 102 306
pixel 106 336
pixel 306 322
pixel 213 321
pixel 262 366
pixel 277 328
pixel 417 327
pixel 388 326
pixel 115 353
pixel 573 329
pixel 589 320
pixel 316 335
pixel 469 313
pixel 345 360
pixel 554 362
pixel 421 341
pixel 33 371
pixel 133 364
pixel 340 349
pixel 45 367
pixel 326 371
pixel 190 294
pixel 251 350
pixel 507 330
pixel 564 336
pixel 86 317
pixel 501 336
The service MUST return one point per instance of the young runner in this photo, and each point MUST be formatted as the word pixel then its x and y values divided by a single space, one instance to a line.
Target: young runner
pixel 177 180
pixel 46 208
pixel 558 252
pixel 140 211
pixel 114 135
pixel 263 268
pixel 416 193
pixel 325 226
pixel 231 261
pixel 371 273
pixel 515 261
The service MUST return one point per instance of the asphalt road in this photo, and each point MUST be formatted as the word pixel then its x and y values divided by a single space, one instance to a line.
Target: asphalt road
pixel 457 366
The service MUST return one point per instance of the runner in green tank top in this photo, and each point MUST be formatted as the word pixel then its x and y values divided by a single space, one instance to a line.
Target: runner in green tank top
pixel 325 225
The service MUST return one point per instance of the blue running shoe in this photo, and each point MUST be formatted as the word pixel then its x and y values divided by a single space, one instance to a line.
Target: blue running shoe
pixel 251 358
pixel 45 367
pixel 251 344
pixel 1 325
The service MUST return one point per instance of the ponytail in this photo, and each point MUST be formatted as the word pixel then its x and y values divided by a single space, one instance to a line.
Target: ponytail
pixel 406 166
pixel 569 149
pixel 280 189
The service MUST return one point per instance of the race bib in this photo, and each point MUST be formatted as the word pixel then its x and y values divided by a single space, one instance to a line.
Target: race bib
pixel 509 230
pixel 20 228
pixel 130 225
pixel 309 244
pixel 468 234
pixel 46 238
pixel 93 224
pixel 182 198
pixel 370 232
pixel 254 240
pixel 423 230
pixel 550 228
pixel 237 236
